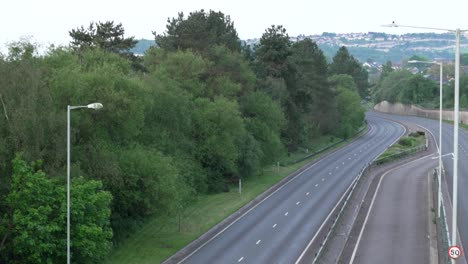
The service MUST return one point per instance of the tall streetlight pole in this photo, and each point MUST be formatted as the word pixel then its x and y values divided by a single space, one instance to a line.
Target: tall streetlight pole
pixel 69 108
pixel 455 120
pixel 439 199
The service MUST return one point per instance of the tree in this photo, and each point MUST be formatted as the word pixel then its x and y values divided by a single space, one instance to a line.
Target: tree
pixel 350 111
pixel 200 31
pixel 310 85
pixel 218 131
pixel 272 53
pixel 37 215
pixel 265 120
pixel 387 68
pixel 344 63
pixel 104 35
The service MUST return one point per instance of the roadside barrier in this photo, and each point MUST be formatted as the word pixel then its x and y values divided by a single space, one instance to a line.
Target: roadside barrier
pixel 443 237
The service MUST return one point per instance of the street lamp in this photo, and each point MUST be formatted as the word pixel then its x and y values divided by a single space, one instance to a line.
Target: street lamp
pixel 455 120
pixel 440 131
pixel 69 108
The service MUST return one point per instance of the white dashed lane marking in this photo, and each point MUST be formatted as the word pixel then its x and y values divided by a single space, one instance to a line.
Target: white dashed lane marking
pixel 240 259
pixel 307 193
pixel 286 214
pixel 323 179
pixel 274 225
pixel 316 185
pixel 298 203
pixel 258 242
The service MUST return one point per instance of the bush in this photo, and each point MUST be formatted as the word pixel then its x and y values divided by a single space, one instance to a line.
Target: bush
pixel 417 134
pixel 406 141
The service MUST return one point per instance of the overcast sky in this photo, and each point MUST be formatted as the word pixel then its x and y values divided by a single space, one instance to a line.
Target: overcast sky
pixel 48 21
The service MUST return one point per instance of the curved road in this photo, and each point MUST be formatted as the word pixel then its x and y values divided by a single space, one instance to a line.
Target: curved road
pixel 397 225
pixel 447 147
pixel 279 228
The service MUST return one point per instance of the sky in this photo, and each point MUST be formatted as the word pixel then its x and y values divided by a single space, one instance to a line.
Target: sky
pixel 48 21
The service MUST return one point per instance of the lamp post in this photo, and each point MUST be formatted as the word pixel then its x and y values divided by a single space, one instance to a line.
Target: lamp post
pixel 69 108
pixel 439 199
pixel 455 120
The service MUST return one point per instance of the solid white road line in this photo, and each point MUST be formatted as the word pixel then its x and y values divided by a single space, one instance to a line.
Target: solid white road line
pixel 372 203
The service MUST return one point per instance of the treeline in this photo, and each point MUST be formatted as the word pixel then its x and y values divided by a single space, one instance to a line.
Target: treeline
pixel 192 115
pixel 405 87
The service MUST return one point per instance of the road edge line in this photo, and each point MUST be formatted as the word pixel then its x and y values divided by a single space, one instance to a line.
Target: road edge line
pixel 372 203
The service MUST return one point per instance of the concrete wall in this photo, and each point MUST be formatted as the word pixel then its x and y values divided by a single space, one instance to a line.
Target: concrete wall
pixel 401 109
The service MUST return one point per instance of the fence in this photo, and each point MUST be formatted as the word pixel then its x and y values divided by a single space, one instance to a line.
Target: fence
pixel 364 171
pixel 400 155
pixel 320 150
pixel 443 237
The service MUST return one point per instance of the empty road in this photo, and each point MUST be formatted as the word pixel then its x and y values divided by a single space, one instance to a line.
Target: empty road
pixel 279 228
pixel 447 147
pixel 397 225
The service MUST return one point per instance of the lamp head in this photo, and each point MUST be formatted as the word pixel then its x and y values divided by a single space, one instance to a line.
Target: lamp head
pixel 390 25
pixel 95 106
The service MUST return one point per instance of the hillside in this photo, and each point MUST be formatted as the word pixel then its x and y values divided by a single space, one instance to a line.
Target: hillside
pixel 373 46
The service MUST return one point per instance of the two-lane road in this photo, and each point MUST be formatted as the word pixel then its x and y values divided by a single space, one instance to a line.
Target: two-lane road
pixel 279 228
pixel 447 147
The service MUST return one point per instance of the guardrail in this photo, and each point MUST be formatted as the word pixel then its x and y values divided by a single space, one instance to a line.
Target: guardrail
pixel 443 237
pixel 401 154
pixel 364 171
pixel 320 150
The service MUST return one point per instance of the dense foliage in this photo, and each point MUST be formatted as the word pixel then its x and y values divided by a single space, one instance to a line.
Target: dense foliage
pixel 201 112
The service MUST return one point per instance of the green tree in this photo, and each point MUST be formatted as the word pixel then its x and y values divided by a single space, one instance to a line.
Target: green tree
pixel 37 216
pixel 218 131
pixel 350 111
pixel 309 86
pixel 272 53
pixel 265 120
pixel 392 85
pixel 344 63
pixel 105 35
pixel 200 31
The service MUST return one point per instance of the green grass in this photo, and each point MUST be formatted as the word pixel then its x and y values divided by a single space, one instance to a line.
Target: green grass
pixel 403 145
pixel 160 238
pixel 465 126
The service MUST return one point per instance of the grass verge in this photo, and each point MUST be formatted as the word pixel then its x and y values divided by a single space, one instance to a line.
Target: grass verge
pixel 159 237
pixel 404 146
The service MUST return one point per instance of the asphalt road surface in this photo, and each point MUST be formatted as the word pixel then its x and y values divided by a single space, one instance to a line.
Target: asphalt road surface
pixel 279 228
pixel 396 229
pixel 447 147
